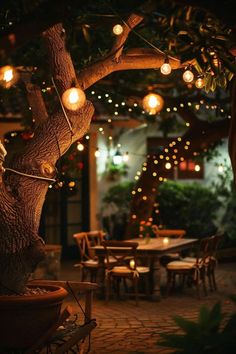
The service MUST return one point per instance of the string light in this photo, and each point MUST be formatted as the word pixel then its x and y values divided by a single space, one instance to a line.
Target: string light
pixel 188 76
pixel 197 168
pixel 152 103
pixel 73 98
pixel 166 68
pixel 8 76
pixel 126 157
pixel 118 29
pixel 199 83
pixel 80 147
pixel 97 153
pixel 168 165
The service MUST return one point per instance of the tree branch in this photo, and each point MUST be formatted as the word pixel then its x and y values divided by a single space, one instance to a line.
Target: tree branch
pixel 35 99
pixel 133 59
pixel 131 22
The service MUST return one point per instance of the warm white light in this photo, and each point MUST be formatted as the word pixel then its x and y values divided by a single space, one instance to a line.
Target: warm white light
pixel 153 103
pixel 80 147
pixel 73 98
pixel 168 165
pixel 117 158
pixel 220 168
pixel 132 264
pixel 197 168
pixel 188 76
pixel 199 83
pixel 126 157
pixel 97 153
pixel 8 76
pixel 117 29
pixel 165 241
pixel 166 69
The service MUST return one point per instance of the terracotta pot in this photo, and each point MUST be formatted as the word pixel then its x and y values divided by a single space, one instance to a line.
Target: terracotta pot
pixel 24 319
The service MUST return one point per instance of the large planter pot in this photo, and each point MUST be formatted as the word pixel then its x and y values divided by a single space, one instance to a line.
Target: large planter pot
pixel 24 319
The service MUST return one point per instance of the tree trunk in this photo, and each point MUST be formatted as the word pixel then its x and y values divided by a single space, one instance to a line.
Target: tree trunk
pixel 22 196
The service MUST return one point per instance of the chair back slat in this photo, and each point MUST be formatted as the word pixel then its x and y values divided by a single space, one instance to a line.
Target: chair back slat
pixel 120 253
pixel 81 242
pixel 94 238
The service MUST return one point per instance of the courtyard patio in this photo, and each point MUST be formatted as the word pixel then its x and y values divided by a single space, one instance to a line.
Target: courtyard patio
pixel 124 328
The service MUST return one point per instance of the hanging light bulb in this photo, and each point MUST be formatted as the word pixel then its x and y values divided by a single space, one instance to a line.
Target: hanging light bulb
pixel 197 168
pixel 166 68
pixel 126 157
pixel 168 165
pixel 188 75
pixel 199 83
pixel 153 103
pixel 117 29
pixel 8 76
pixel 73 98
pixel 97 153
pixel 80 147
pixel 117 158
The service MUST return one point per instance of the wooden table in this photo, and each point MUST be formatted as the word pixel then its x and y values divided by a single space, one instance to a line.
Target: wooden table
pixel 151 252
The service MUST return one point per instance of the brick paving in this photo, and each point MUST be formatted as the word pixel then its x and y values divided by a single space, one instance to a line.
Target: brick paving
pixel 124 328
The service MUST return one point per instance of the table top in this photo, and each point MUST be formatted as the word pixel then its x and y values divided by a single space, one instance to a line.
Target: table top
pixel 159 245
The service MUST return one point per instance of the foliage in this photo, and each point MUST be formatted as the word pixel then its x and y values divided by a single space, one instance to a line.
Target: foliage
pixel 115 208
pixel 112 171
pixel 209 335
pixel 225 189
pixel 120 195
pixel 188 206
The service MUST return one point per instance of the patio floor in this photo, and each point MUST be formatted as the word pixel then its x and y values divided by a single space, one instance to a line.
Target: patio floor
pixel 123 328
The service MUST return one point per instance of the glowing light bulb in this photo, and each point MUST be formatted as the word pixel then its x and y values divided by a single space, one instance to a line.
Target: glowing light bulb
pixel 97 153
pixel 126 157
pixel 220 168
pixel 197 168
pixel 165 241
pixel 132 264
pixel 166 68
pixel 73 98
pixel 80 147
pixel 153 103
pixel 117 29
pixel 199 83
pixel 168 165
pixel 188 76
pixel 8 76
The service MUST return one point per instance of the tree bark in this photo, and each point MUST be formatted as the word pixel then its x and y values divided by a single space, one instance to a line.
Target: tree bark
pixel 22 196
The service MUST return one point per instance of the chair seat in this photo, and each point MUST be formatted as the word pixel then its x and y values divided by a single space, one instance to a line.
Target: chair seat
pixel 180 265
pixel 142 270
pixel 193 259
pixel 93 263
pixel 121 270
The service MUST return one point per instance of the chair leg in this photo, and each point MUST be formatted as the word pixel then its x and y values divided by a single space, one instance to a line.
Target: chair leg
pixel 135 282
pixel 107 288
pixel 213 278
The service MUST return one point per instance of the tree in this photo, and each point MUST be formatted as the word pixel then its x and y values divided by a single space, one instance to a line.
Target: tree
pixel 25 181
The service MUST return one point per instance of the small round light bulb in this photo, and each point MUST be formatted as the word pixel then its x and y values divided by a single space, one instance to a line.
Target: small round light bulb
pixel 73 98
pixel 199 83
pixel 117 29
pixel 166 69
pixel 188 76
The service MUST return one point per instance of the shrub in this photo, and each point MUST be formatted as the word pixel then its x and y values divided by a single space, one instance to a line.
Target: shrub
pixel 188 206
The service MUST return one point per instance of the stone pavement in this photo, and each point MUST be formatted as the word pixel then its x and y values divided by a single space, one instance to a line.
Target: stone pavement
pixel 124 328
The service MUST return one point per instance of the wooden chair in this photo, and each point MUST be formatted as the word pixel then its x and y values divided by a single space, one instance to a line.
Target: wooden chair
pixel 88 261
pixel 124 267
pixel 170 233
pixel 214 244
pixel 194 269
